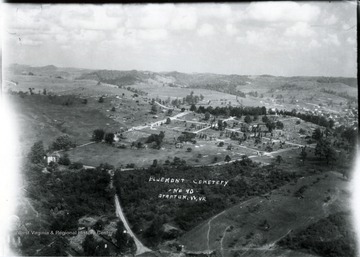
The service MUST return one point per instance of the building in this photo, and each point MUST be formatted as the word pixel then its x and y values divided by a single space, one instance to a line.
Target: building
pixel 54 157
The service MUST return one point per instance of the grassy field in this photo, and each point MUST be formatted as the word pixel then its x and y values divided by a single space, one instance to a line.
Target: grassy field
pixel 325 193
pixel 215 98
pixel 39 118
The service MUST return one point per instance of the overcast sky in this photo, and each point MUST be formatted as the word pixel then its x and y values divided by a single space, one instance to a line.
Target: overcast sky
pixel 281 38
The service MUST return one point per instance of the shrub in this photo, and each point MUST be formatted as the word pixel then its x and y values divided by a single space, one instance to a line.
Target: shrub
pixel 76 165
pixel 64 160
pixel 62 143
pixel 98 135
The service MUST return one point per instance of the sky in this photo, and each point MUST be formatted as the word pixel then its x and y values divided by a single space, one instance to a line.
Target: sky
pixel 277 38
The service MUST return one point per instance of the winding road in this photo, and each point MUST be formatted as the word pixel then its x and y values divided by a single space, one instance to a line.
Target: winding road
pixel 140 248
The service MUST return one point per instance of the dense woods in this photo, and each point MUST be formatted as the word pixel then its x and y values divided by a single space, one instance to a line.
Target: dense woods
pixel 147 213
pixel 329 237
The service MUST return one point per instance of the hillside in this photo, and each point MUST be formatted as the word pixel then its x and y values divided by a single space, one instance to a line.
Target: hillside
pixel 257 225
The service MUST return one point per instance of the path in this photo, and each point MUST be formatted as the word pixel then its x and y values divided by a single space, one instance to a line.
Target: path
pixel 157 123
pixel 208 233
pixel 222 239
pixel 202 129
pixel 10 82
pixel 163 106
pixel 290 143
pixel 214 217
pixel 140 248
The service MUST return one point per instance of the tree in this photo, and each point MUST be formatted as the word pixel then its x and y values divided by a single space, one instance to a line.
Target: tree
pixel 265 119
pixel 37 153
pixel 220 124
pixel 279 159
pixel 101 99
pixel 247 119
pixel 221 144
pixel 317 134
pixel 109 138
pixel 227 158
pixel 303 154
pixel 155 163
pixel 123 240
pixel 62 143
pixel 170 112
pixel 44 91
pixel 279 125
pixel 324 149
pixel 302 131
pixel 154 231
pixel 207 115
pixel 89 245
pixel 168 121
pixel 189 149
pixel 98 135
pixel 64 160
pixel 113 109
pixel 154 109
pixel 270 125
pixel 193 108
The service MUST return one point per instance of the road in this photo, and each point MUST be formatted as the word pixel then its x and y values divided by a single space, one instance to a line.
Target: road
pixel 157 123
pixel 140 248
pixel 10 82
pixel 290 143
pixel 165 107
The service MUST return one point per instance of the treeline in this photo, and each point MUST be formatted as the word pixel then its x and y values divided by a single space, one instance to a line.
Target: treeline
pixel 352 82
pixel 147 214
pixel 288 86
pixel 256 111
pixel 232 111
pixel 226 88
pixel 329 237
pixel 341 94
pixel 315 119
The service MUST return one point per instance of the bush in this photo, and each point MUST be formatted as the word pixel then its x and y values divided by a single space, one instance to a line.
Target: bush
pixel 37 153
pixel 64 160
pixel 189 149
pixel 109 138
pixel 98 135
pixel 62 143
pixel 76 165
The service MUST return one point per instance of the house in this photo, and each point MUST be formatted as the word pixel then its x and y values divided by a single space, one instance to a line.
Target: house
pixel 179 145
pixel 54 157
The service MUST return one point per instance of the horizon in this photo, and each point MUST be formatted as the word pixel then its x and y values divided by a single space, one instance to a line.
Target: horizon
pixel 229 74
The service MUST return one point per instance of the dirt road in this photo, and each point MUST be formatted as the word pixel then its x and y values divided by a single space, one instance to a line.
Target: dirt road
pixel 140 248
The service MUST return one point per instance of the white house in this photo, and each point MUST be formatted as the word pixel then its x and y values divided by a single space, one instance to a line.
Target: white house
pixel 54 157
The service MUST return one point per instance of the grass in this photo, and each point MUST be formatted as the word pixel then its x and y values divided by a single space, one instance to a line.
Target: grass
pixel 39 118
pixel 164 92
pixel 281 209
